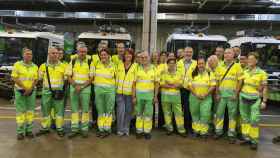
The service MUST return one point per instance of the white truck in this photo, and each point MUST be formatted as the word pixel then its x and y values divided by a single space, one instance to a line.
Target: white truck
pixel 268 49
pixel 11 45
pixel 201 43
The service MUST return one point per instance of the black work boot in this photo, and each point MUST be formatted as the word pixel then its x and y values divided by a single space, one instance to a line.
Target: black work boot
pixel 29 135
pixel 20 136
pixel 42 132
pixel 73 135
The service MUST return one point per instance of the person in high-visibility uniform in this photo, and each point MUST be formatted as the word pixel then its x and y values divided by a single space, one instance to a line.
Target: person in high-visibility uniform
pixel 237 53
pixel 243 60
pixel 104 74
pixel 25 76
pixel 118 58
pixel 186 66
pixel 56 72
pixel 219 52
pixel 170 83
pixel 103 44
pixel 60 56
pixel 145 92
pixel 212 64
pixel 201 84
pixel 138 58
pixel 253 97
pixel 171 55
pixel 227 93
pixel 125 77
pixel 180 54
pixel 80 78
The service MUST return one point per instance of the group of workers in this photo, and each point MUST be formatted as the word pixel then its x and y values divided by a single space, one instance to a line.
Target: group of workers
pixel 193 94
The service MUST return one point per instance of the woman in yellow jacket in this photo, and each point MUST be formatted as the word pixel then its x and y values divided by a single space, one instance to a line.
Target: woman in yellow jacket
pixel 125 76
pixel 104 80
pixel 145 92
pixel 252 98
pixel 201 83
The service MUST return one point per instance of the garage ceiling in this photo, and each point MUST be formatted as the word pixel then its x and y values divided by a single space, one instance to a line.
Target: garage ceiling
pixel 165 6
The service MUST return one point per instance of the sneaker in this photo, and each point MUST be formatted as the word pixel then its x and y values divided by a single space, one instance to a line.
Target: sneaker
pixel 29 135
pixel 120 134
pixel 20 136
pixel 253 146
pixel 73 135
pixel 147 136
pixel 42 132
pixel 60 133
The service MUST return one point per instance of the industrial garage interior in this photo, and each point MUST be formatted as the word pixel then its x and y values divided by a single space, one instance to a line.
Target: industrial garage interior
pixel 144 26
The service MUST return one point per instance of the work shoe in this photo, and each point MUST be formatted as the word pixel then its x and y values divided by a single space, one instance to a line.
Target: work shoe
pixel 204 137
pixel 138 135
pixel 60 133
pixel 244 142
pixel 195 135
pixel 106 134
pixel 147 136
pixel 254 146
pixel 29 135
pixel 169 133
pixel 42 132
pixel 184 135
pixel 276 140
pixel 20 136
pixel 217 136
pixel 232 140
pixel 99 134
pixel 73 135
pixel 84 134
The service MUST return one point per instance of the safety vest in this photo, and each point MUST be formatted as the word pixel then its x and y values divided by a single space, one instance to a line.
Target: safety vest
pixel 25 73
pixel 169 78
pixel 116 60
pixel 56 73
pixel 253 80
pixel 145 80
pixel 181 68
pixel 202 82
pixel 125 79
pixel 75 56
pixel 80 71
pixel 231 79
pixel 104 75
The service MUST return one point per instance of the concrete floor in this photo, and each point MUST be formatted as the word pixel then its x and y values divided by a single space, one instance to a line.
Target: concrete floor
pixel 161 146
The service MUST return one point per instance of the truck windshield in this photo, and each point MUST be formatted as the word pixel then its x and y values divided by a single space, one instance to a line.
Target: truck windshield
pixel 11 49
pixel 206 48
pixel 92 44
pixel 269 54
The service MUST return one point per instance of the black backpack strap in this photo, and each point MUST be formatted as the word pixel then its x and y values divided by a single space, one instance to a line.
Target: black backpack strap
pixel 227 72
pixel 48 77
pixel 73 64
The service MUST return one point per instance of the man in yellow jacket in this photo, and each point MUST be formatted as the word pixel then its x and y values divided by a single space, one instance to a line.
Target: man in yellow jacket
pixel 25 76
pixel 186 66
pixel 80 78
pixel 53 75
pixel 229 81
